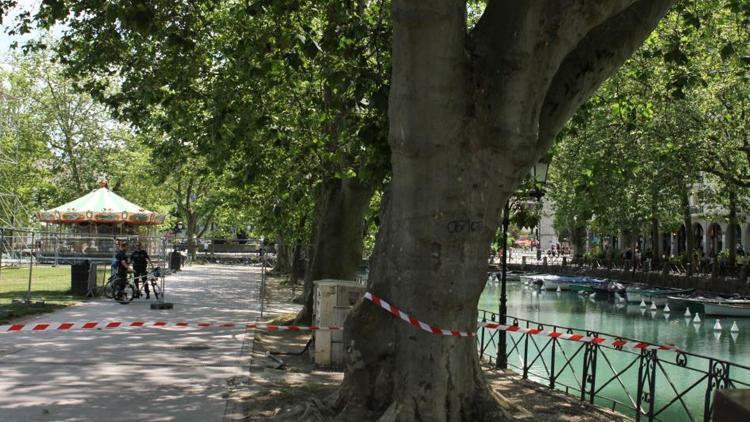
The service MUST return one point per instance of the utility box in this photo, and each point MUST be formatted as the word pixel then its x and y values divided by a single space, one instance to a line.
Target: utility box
pixel 333 301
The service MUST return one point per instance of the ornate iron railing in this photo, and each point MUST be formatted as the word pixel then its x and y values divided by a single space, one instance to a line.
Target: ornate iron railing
pixel 643 384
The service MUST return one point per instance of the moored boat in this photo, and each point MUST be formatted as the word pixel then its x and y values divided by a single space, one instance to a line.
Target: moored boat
pixel 562 282
pixel 727 309
pixel 680 302
pixel 696 303
pixel 657 295
pixel 587 284
pixel 609 289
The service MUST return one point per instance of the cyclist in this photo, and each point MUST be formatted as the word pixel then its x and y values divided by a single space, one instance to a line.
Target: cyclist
pixel 140 258
pixel 123 267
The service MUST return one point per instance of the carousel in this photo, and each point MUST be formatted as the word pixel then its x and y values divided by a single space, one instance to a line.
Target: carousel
pixel 92 224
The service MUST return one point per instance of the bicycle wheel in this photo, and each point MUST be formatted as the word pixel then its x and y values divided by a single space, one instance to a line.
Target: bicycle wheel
pixel 155 289
pixel 108 290
pixel 126 295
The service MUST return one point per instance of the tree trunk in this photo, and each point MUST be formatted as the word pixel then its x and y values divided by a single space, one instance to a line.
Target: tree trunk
pixel 687 220
pixel 73 160
pixel 438 218
pixel 468 116
pixel 655 241
pixel 298 262
pixel 283 264
pixel 190 233
pixel 337 248
pixel 732 235
pixel 578 237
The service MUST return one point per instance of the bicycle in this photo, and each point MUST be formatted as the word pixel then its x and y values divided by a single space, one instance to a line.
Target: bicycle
pixel 152 278
pixel 122 295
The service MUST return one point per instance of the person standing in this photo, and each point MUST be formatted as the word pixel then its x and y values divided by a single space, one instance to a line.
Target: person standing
pixel 123 267
pixel 140 259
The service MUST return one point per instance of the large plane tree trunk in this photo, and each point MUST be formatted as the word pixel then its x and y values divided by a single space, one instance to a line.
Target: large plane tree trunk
pixel 469 113
pixel 337 245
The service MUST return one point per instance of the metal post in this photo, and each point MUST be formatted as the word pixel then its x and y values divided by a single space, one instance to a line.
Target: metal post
pixel 588 379
pixel 2 248
pixel 553 377
pixel 526 354
pixel 164 270
pixel 646 385
pixel 31 263
pixel 538 241
pixel 262 276
pixel 502 359
pixel 57 247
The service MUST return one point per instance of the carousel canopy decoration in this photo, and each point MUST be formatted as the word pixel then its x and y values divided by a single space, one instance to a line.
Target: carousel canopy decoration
pixel 101 206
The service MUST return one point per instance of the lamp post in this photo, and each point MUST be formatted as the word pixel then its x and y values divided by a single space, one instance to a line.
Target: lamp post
pixel 502 359
pixel 539 174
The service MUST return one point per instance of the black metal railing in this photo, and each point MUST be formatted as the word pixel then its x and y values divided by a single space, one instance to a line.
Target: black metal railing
pixel 644 384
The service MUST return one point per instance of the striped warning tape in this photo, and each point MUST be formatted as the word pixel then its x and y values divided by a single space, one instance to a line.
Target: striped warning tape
pixel 392 309
pixel 398 313
pixel 91 325
pixel 618 343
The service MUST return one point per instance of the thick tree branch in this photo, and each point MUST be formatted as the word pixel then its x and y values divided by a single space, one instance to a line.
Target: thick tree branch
pixel 603 50
pixel 565 22
pixel 207 222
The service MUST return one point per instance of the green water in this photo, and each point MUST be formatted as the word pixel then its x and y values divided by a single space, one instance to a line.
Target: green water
pixel 572 310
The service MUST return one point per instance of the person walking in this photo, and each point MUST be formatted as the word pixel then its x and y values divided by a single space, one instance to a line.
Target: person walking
pixel 140 259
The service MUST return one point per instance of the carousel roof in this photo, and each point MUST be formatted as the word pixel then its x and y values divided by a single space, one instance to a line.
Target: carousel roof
pixel 100 206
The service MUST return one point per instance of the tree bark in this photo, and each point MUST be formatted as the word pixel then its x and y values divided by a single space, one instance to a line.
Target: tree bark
pixel 298 262
pixel 468 114
pixel 578 236
pixel 284 252
pixel 337 247
pixel 732 235
pixel 190 233
pixel 687 221
pixel 655 239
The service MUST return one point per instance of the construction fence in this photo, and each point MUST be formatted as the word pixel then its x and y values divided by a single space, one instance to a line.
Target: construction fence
pixel 37 265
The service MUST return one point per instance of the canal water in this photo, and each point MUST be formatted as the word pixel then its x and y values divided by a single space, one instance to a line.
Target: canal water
pixel 569 309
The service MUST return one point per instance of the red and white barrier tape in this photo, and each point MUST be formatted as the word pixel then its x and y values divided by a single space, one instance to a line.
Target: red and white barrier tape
pixel 578 337
pixel 398 313
pixel 392 309
pixel 91 325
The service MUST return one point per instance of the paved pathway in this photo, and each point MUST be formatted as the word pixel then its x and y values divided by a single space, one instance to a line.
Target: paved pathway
pixel 135 374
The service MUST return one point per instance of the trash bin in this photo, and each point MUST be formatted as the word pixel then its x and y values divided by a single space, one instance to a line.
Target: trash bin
pixel 79 278
pixel 175 261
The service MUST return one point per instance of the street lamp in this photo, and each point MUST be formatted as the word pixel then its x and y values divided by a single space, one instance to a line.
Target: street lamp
pixel 502 359
pixel 539 175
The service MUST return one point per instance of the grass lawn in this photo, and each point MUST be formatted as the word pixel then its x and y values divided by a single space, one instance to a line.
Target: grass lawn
pixel 48 284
